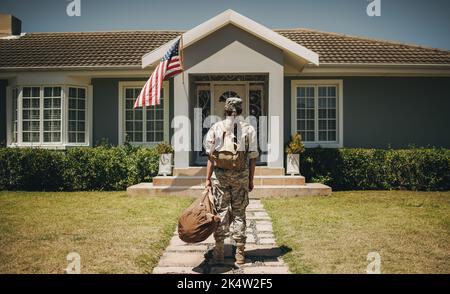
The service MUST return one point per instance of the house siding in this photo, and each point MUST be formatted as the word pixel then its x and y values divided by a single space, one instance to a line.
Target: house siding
pixel 383 112
pixel 3 85
pixel 106 108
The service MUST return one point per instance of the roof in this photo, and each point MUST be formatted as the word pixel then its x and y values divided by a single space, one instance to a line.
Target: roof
pixel 126 48
pixel 289 47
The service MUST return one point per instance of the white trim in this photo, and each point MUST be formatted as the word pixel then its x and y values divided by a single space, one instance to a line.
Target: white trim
pixel 88 118
pixel 9 97
pixel 231 17
pixel 121 103
pixel 396 70
pixel 340 111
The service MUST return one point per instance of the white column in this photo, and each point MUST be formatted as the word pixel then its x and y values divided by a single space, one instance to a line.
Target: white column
pixel 276 119
pixel 181 139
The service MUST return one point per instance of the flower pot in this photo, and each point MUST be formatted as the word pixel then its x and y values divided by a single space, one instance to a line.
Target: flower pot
pixel 293 164
pixel 165 164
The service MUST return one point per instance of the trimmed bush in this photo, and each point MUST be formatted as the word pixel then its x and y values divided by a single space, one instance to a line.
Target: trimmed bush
pixel 375 169
pixel 115 168
pixel 77 169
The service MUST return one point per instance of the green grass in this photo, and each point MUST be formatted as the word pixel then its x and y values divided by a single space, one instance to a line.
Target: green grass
pixel 112 233
pixel 410 230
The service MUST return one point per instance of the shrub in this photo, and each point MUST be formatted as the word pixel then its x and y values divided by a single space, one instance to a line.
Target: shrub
pixel 114 168
pixel 364 169
pixel 80 168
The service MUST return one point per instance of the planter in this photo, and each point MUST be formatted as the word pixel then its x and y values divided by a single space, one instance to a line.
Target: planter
pixel 293 164
pixel 165 164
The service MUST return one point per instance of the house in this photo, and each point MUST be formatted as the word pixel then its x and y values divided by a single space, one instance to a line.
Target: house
pixel 59 90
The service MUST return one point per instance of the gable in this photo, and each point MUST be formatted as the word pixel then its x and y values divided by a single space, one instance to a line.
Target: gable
pixel 294 50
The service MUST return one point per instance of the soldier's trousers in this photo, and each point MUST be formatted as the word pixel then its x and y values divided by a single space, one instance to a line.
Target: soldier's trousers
pixel 230 190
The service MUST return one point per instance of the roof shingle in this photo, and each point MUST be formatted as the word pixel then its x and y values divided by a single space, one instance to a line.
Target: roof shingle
pixel 125 49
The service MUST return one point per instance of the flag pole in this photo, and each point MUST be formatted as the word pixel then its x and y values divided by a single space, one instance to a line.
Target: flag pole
pixel 182 57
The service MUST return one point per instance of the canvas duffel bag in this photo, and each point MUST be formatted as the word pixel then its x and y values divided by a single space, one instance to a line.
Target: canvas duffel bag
pixel 199 220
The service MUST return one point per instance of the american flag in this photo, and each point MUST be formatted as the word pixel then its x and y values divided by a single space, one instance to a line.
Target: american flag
pixel 170 65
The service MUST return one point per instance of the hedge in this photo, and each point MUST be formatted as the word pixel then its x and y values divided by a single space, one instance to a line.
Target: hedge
pixel 115 168
pixel 376 169
pixel 99 168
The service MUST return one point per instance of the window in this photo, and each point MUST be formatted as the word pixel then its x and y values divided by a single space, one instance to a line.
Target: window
pixel 317 112
pixel 77 115
pixel 146 125
pixel 53 116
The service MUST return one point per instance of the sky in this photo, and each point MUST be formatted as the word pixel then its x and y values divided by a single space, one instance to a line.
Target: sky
pixel 423 22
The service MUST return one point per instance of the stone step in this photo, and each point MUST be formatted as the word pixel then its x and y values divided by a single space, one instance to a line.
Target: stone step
pixel 201 171
pixel 309 189
pixel 200 180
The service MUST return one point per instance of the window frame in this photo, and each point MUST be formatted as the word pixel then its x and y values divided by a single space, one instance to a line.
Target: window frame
pixel 339 111
pixel 63 143
pixel 121 127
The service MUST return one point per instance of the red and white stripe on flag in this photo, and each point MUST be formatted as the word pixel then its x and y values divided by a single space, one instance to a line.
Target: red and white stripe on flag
pixel 169 66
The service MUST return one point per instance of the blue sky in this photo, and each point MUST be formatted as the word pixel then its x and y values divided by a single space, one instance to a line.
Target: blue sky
pixel 424 22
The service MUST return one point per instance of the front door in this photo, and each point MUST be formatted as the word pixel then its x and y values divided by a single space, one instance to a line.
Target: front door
pixel 224 91
pixel 211 97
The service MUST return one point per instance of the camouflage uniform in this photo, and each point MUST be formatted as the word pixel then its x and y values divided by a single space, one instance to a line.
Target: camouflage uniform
pixel 230 187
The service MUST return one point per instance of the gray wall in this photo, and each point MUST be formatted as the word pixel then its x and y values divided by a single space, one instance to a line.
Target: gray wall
pixel 3 84
pixel 390 111
pixel 106 108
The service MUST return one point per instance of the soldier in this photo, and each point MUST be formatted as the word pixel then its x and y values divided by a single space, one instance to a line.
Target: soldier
pixel 231 182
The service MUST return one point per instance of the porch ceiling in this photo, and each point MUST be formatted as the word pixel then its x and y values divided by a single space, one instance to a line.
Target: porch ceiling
pixel 292 50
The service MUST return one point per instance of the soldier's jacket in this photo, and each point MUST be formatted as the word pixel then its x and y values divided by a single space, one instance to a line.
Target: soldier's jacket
pixel 220 137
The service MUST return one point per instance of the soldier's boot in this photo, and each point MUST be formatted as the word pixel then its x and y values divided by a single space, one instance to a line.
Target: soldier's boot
pixel 240 257
pixel 218 253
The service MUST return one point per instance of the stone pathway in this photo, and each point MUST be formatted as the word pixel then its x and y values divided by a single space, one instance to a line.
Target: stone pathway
pixel 263 256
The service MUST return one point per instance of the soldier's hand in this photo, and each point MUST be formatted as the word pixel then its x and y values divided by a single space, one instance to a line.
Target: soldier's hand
pixel 208 183
pixel 250 185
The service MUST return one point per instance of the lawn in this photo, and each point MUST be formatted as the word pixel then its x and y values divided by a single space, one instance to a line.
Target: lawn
pixel 111 232
pixel 410 231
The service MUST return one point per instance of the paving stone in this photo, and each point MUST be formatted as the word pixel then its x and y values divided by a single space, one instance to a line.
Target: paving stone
pixel 181 259
pixel 265 235
pixel 176 241
pixel 186 248
pixel 266 270
pixel 174 270
pixel 263 222
pixel 267 241
pixel 264 228
pixel 261 213
pixel 258 218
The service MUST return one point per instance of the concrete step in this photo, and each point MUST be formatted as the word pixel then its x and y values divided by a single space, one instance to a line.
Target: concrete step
pixel 200 180
pixel 201 171
pixel 309 189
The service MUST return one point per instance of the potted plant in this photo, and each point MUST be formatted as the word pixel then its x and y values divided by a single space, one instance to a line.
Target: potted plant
pixel 165 152
pixel 293 151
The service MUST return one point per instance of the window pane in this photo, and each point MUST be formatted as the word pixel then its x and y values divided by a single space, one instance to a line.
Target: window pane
pixel 331 135
pixel 322 136
pixel 77 115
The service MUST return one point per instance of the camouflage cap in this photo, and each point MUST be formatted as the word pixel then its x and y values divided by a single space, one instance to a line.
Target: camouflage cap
pixel 233 104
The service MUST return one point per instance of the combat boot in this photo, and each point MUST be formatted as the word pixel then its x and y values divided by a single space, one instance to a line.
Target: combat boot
pixel 240 257
pixel 218 253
